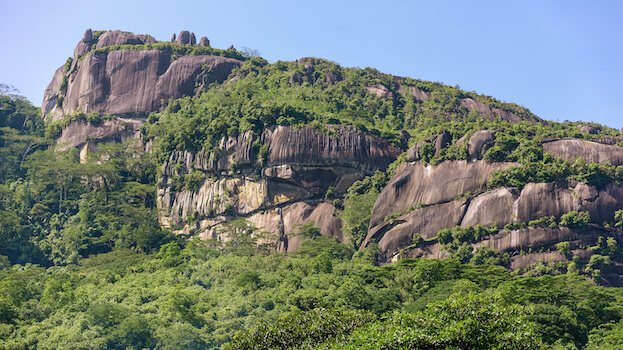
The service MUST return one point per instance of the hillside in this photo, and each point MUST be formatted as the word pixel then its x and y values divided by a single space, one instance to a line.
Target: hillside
pixel 195 191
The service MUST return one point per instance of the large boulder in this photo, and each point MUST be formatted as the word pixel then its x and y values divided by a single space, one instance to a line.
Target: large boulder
pixel 439 142
pixel 419 95
pixel 204 41
pixel 480 142
pixel 587 129
pixel 184 38
pixel 476 106
pixel 380 91
pixel 118 130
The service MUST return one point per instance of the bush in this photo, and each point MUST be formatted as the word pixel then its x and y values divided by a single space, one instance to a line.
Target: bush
pixel 618 218
pixel 564 248
pixel 575 219
pixel 68 64
pixel 63 83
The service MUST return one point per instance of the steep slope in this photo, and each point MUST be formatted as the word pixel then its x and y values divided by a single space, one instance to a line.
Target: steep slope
pixel 135 78
pixel 421 203
pixel 284 187
pixel 291 143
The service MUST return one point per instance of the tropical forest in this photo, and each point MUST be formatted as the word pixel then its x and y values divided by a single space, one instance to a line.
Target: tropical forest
pixel 171 195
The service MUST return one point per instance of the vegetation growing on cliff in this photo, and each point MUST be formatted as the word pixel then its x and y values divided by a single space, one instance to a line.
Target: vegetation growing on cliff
pixel 85 264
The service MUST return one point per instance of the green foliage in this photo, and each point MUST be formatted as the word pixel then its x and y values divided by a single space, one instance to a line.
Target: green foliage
pixel 68 64
pixel 608 336
pixel 302 329
pixel 618 218
pixel 63 83
pixel 564 248
pixel 461 323
pixel 358 203
pixel 555 169
pixel 575 219
pixel 175 49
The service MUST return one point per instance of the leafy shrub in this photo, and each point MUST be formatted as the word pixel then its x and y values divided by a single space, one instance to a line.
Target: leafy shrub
pixel 63 83
pixel 575 219
pixel 564 248
pixel 618 218
pixel 68 64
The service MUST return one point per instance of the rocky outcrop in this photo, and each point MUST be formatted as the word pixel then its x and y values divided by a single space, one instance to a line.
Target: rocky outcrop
pixel 380 91
pixel 128 81
pixel 480 142
pixel 587 129
pixel 184 38
pixel 475 106
pixel 419 95
pixel 132 82
pixel 320 213
pixel 609 140
pixel 439 142
pixel 122 38
pixel 204 41
pixel 414 183
pixel 592 152
pixel 341 146
pixel 79 133
pixel 452 194
pixel 298 166
pixel 537 244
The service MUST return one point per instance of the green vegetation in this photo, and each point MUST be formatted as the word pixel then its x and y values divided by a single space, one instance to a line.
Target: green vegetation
pixel 198 296
pixel 175 49
pixel 552 169
pixel 464 322
pixel 85 264
pixel 53 129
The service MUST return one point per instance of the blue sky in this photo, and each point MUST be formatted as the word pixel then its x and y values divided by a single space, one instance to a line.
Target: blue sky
pixel 561 59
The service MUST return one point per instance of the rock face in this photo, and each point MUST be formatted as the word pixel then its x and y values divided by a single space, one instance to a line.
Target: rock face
pixel 129 81
pixel 535 239
pixel 480 142
pixel 204 41
pixel 78 134
pixel 453 193
pixel 380 91
pixel 132 82
pixel 298 168
pixel 587 150
pixel 415 183
pixel 438 142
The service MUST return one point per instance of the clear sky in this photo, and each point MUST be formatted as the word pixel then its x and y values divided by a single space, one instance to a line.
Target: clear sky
pixel 562 59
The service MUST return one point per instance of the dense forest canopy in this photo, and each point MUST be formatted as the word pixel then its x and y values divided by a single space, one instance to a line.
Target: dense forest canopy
pixel 86 265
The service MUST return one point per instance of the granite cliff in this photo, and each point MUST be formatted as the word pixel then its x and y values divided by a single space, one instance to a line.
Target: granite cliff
pixel 130 81
pixel 286 186
pixel 277 144
pixel 421 200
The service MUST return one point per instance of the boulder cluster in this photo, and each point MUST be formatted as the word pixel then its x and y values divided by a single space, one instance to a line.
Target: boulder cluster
pixel 188 38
